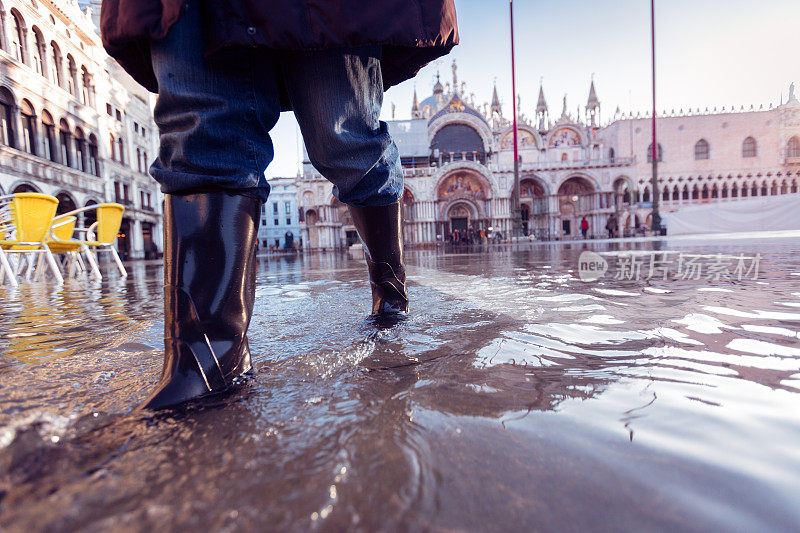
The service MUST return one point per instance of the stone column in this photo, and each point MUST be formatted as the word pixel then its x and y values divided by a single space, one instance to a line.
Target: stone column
pixel 137 242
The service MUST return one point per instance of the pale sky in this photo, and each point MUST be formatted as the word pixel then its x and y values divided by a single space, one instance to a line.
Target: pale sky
pixel 709 53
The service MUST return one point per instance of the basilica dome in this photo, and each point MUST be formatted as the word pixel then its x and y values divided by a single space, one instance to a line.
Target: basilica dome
pixel 432 104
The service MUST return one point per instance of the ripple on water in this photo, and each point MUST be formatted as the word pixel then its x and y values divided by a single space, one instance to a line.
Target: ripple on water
pixel 571 403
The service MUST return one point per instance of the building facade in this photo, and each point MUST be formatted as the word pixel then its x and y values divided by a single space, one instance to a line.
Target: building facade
pixel 459 167
pixel 73 124
pixel 280 218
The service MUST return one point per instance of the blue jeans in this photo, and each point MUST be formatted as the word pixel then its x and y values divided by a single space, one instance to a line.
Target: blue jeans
pixel 214 115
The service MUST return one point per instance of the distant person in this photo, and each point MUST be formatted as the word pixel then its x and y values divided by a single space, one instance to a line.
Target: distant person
pixel 584 227
pixel 611 226
pixel 223 71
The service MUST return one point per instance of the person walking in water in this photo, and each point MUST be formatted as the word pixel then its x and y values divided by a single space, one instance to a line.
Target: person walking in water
pixel 223 71
pixel 584 227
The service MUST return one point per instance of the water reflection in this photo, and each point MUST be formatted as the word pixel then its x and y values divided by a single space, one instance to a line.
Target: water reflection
pixel 516 394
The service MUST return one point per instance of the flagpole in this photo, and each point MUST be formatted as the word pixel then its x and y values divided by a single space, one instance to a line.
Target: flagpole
pixel 516 213
pixel 655 223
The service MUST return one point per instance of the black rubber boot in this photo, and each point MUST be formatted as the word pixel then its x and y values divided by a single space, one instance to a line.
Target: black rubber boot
pixel 209 287
pixel 380 230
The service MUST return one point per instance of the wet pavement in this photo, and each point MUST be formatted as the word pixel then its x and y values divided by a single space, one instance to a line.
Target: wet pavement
pixel 516 397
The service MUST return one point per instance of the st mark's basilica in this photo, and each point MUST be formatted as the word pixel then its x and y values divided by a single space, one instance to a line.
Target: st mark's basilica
pixel 458 165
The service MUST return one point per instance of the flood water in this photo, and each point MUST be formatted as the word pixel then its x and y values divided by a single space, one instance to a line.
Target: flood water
pixel 516 397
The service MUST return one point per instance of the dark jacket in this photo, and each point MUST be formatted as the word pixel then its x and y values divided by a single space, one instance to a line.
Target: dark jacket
pixel 412 32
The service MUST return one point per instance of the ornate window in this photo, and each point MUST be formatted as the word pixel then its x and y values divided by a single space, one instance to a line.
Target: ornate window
pixel 28 127
pixel 7 117
pixel 80 150
pixel 88 87
pixel 39 52
pixel 49 137
pixel 65 142
pixel 72 76
pixel 749 148
pixel 458 141
pixel 18 44
pixel 650 153
pixel 701 150
pixel 56 65
pixel 94 163
pixel 793 147
pixel 121 150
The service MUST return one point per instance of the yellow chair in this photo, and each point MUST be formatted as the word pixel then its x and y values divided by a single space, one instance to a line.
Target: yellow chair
pixel 99 237
pixel 60 241
pixel 25 220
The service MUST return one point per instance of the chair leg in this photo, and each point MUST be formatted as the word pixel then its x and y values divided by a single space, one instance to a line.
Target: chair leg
pixel 81 266
pixel 53 265
pixel 31 262
pixel 6 268
pixel 92 260
pixel 39 273
pixel 18 269
pixel 115 255
pixel 70 256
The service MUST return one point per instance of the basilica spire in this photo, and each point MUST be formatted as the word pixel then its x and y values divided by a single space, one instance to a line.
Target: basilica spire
pixel 455 77
pixel 592 106
pixel 496 108
pixel 592 101
pixel 541 105
pixel 437 87
pixel 541 109
pixel 416 112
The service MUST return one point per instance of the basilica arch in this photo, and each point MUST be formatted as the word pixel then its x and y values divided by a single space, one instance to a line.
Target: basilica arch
pixel 577 199
pixel 624 192
pixel 563 136
pixel 312 218
pixel 468 119
pixel 462 198
pixel 533 197
pixel 527 138
pixel 343 224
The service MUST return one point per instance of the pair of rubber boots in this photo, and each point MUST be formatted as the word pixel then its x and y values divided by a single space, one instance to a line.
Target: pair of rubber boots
pixel 209 287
